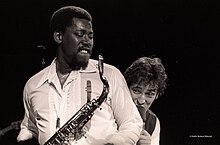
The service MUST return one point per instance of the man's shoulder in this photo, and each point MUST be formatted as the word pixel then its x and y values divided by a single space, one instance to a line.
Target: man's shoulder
pixel 35 78
pixel 107 66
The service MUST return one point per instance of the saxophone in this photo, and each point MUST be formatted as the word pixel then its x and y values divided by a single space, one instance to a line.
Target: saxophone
pixel 75 124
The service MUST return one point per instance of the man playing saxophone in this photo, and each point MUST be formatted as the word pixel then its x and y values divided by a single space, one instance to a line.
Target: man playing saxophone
pixel 53 95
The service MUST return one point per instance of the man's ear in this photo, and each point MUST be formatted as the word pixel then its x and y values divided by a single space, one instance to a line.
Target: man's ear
pixel 57 36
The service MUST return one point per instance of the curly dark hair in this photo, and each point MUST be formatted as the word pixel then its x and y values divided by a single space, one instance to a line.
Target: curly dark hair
pixel 147 70
pixel 63 18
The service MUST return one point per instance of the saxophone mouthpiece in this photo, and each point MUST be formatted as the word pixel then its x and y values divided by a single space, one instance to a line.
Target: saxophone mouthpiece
pixel 100 57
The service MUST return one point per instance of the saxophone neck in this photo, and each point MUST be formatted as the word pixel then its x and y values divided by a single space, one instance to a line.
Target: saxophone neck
pixel 103 79
pixel 100 66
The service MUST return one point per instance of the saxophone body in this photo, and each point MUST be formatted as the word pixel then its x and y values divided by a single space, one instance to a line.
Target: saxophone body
pixel 73 127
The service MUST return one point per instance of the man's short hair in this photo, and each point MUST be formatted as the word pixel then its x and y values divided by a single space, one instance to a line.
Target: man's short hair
pixel 62 17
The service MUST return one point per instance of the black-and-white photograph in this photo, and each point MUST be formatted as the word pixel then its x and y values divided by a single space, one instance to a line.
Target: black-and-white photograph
pixel 119 72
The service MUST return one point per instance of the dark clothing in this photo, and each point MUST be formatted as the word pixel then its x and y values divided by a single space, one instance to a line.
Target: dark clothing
pixel 150 122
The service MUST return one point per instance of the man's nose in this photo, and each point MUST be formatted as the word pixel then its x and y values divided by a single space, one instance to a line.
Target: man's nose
pixel 86 38
pixel 141 99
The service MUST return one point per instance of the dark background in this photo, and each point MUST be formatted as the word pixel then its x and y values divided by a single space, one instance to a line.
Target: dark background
pixel 183 33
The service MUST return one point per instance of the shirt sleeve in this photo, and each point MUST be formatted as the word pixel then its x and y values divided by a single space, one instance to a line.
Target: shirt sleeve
pixel 126 114
pixel 155 138
pixel 28 128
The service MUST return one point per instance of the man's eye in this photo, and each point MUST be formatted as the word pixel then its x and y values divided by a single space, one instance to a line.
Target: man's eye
pixel 79 34
pixel 91 36
pixel 150 93
pixel 136 91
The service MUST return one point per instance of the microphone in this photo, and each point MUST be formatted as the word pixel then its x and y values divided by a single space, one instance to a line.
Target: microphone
pixel 43 55
pixel 88 90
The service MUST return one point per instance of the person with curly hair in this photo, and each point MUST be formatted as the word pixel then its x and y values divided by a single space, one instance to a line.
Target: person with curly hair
pixel 147 80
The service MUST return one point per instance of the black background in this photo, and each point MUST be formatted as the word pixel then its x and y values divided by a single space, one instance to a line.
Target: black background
pixel 183 33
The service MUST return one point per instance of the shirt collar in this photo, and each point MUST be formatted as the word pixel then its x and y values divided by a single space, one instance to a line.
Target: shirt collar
pixel 50 71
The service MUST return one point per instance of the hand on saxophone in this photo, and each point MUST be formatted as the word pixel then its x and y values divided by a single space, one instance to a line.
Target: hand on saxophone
pixel 145 138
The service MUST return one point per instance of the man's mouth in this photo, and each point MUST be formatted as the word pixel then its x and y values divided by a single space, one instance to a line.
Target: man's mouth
pixel 84 51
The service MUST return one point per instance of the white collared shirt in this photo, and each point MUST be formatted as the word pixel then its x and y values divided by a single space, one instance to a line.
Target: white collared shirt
pixel 118 121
